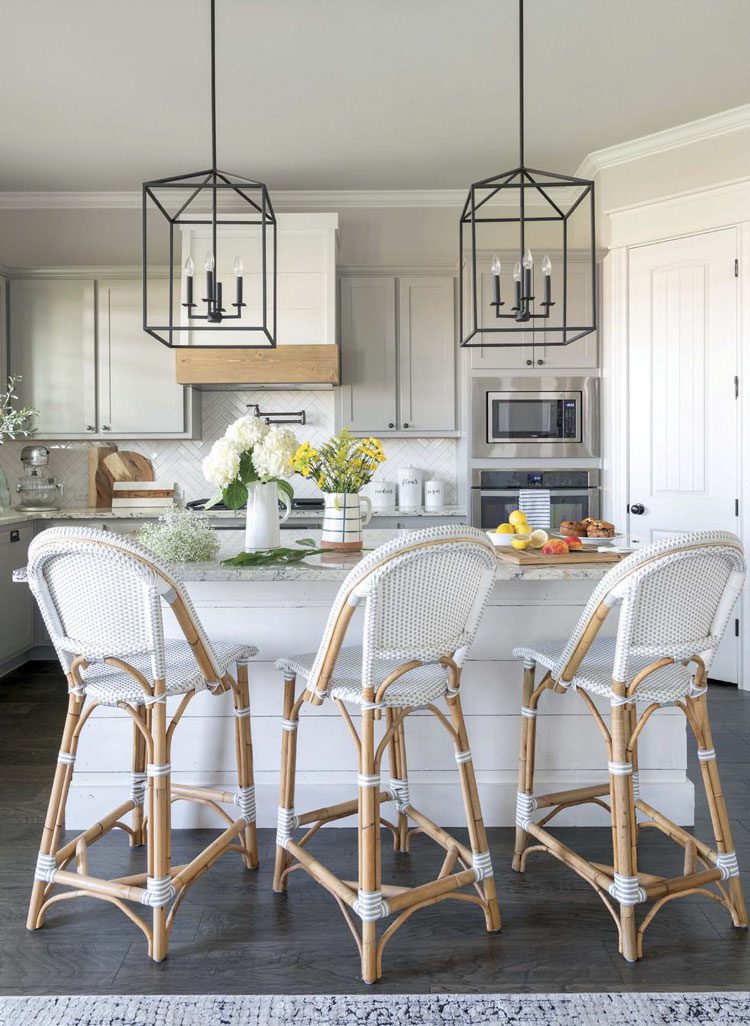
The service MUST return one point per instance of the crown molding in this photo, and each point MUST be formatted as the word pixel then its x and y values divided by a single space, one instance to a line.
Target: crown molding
pixel 736 119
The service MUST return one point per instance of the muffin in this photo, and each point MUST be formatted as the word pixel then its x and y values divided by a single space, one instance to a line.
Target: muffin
pixel 600 529
pixel 575 527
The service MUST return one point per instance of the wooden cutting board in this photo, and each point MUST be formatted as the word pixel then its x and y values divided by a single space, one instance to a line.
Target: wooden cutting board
pixel 100 490
pixel 584 558
pixel 121 466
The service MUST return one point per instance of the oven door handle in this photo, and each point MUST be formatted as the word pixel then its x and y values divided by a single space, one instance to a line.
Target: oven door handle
pixel 553 491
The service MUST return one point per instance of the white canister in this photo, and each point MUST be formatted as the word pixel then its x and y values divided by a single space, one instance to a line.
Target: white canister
pixel 434 494
pixel 383 494
pixel 410 488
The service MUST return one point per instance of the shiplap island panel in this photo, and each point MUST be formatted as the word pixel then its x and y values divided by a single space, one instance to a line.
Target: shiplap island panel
pixel 284 610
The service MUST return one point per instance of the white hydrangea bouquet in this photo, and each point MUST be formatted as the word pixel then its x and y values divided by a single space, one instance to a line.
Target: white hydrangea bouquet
pixel 250 466
pixel 250 451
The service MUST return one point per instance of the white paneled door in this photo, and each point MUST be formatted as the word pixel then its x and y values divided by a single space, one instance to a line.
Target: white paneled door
pixel 683 349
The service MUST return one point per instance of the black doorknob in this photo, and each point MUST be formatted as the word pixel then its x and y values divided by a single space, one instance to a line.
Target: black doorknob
pixel 638 508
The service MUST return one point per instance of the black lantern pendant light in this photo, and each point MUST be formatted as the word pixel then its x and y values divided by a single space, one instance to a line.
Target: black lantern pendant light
pixel 190 312
pixel 562 205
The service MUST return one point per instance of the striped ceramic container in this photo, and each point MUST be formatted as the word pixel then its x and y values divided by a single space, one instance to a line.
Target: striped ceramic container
pixel 344 519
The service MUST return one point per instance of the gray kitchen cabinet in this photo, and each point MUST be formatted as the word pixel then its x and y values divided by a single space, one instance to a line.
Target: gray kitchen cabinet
pixel 16 601
pixel 367 397
pixel 531 351
pixel 398 355
pixel 427 354
pixel 52 346
pixel 87 365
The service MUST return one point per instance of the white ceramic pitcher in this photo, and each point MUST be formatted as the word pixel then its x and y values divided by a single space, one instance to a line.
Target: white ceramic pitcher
pixel 262 523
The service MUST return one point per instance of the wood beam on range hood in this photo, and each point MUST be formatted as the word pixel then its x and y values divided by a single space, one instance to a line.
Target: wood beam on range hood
pixel 292 365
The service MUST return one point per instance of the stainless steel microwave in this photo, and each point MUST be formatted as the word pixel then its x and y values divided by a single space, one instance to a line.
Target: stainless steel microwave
pixel 535 417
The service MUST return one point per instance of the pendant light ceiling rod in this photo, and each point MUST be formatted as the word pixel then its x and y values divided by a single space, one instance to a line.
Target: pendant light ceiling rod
pixel 520 83
pixel 213 85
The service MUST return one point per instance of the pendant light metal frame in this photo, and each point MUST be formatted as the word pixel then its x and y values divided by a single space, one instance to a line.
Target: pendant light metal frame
pixel 189 191
pixel 554 198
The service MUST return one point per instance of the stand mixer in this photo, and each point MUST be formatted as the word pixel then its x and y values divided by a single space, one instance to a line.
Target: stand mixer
pixel 38 491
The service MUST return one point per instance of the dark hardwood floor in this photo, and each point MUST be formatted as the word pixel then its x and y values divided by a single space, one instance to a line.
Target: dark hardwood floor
pixel 233 935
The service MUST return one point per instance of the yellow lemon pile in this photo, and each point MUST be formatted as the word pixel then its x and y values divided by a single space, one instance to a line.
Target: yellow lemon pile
pixel 523 536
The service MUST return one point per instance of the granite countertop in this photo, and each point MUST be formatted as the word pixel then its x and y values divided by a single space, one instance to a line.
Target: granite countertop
pixel 85 513
pixel 334 566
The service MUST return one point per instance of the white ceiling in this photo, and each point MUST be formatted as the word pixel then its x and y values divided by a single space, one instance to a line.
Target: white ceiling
pixel 349 94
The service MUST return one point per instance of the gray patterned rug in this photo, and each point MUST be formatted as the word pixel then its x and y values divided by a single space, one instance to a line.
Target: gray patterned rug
pixel 714 1009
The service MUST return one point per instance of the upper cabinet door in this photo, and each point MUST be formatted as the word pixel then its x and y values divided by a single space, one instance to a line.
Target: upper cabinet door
pixel 52 346
pixel 368 353
pixel 506 351
pixel 138 391
pixel 584 352
pixel 427 354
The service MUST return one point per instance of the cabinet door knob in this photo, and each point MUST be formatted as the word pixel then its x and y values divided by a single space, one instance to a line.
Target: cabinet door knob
pixel 529 363
pixel 105 427
pixel 540 362
pixel 406 425
pixel 390 425
pixel 89 427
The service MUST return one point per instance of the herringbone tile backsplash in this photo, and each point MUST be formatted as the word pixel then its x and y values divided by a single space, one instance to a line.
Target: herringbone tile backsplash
pixel 180 460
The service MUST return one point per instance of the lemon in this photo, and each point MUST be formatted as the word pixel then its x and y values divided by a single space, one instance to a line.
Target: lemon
pixel 538 538
pixel 505 529
pixel 518 519
pixel 520 541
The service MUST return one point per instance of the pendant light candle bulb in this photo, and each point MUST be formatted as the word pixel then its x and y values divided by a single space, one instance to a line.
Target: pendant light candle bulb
pixel 495 266
pixel 209 263
pixel 239 267
pixel 189 267
pixel 517 271
pixel 528 260
pixel 546 267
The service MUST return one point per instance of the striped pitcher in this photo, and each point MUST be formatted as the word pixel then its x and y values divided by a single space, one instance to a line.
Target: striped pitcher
pixel 344 519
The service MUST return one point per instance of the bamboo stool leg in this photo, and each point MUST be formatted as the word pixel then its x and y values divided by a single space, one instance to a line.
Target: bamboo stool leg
pixel 138 782
pixel 525 760
pixel 244 742
pixel 397 762
pixel 55 809
pixel 626 887
pixel 288 775
pixel 159 819
pixel 474 820
pixel 369 849
pixel 717 805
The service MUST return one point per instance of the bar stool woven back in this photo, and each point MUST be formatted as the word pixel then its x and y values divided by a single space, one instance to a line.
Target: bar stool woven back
pixel 675 598
pixel 102 598
pixel 421 598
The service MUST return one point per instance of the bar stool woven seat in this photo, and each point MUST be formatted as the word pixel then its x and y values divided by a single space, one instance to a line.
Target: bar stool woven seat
pixel 672 601
pixel 421 598
pixel 416 688
pixel 664 685
pixel 104 599
pixel 109 685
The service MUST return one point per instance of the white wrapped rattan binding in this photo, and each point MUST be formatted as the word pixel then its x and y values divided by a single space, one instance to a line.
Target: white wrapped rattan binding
pixel 620 769
pixel 138 788
pixel 636 786
pixel 627 890
pixel 154 769
pixel 481 862
pixel 706 754
pixel 370 906
pixel 77 689
pixel 696 692
pixel 727 863
pixel 289 725
pixel 155 699
pixel 159 891
pixel 368 780
pixel 525 805
pixel 245 800
pixel 242 714
pixel 529 713
pixel 400 791
pixel 46 866
pixel 462 757
pixel 286 821
pixel 67 758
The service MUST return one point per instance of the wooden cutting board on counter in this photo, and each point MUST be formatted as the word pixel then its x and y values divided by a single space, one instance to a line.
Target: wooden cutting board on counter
pixel 584 558
pixel 120 466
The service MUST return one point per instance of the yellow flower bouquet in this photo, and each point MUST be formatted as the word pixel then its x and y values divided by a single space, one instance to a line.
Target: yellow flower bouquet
pixel 343 464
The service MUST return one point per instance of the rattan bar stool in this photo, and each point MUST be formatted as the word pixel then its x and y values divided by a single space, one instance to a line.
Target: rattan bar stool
pixel 675 599
pixel 101 598
pixel 422 597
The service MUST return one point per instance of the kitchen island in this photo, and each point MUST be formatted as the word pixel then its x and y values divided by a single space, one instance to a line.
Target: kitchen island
pixel 283 610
